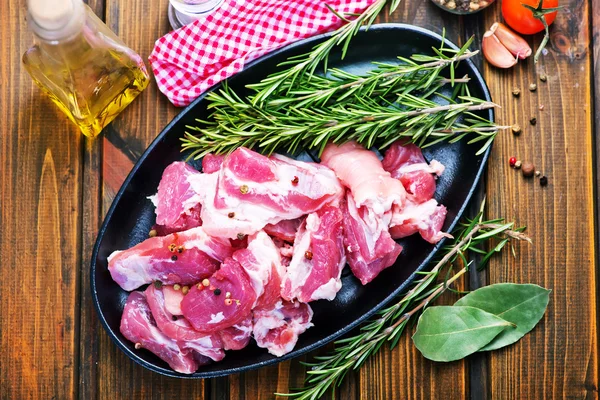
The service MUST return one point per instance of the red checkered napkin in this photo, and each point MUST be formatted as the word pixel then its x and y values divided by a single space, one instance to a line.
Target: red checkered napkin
pixel 188 61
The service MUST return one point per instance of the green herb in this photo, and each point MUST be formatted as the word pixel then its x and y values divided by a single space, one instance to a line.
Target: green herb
pixel 327 371
pixel 521 304
pixel 449 333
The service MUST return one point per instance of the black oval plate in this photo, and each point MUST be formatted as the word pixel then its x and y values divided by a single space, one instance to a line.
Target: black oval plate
pixel 131 215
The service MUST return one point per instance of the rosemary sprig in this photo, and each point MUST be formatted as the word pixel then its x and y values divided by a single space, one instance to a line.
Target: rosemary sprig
pixel 350 353
pixel 306 64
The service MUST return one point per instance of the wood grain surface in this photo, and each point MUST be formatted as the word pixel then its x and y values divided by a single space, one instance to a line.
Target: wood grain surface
pixel 56 187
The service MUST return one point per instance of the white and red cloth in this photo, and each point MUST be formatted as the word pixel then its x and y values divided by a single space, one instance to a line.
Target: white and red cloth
pixel 188 61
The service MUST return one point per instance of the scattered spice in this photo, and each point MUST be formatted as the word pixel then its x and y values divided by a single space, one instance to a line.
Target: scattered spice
pixel 516 92
pixel 518 164
pixel 173 257
pixel 199 286
pixel 244 189
pixel 228 294
pixel 538 173
pixel 541 107
pixel 241 236
pixel 231 214
pixel 185 289
pixel 528 169
pixel 138 346
pixel 172 247
pixel 543 180
pixel 543 78
pixel 308 255
pixel 516 129
pixel 228 302
pixel 237 302
pixel 532 87
pixel 464 6
pixel 176 286
pixel 157 284
pixel 295 181
pixel 512 161
pixel 180 249
pixel 533 120
pixel 174 317
pixel 205 282
pixel 217 292
pixel 152 233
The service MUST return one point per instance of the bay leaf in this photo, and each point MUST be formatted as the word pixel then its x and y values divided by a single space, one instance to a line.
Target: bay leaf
pixel 449 333
pixel 522 304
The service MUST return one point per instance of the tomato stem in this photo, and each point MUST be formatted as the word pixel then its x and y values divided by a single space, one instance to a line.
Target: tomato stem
pixel 540 14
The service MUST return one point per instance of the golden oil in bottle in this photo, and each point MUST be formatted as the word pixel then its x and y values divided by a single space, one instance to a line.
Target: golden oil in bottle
pixel 81 64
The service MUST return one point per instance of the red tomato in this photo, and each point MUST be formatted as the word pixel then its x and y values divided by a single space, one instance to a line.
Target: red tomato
pixel 522 20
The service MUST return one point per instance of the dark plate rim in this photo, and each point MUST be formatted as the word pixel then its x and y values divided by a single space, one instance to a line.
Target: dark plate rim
pixel 224 372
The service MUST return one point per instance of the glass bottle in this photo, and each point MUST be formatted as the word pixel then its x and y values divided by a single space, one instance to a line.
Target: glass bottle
pixel 81 64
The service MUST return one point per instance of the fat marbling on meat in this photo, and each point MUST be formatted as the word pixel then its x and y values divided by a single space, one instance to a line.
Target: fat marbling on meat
pixel 184 257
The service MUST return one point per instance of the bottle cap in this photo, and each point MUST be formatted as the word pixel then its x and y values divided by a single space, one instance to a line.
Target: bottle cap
pixel 51 14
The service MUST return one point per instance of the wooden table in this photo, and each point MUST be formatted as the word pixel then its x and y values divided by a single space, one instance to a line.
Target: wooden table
pixel 56 186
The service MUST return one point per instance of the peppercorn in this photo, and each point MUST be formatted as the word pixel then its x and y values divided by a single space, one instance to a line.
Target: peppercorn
pixel 516 92
pixel 295 181
pixel 174 317
pixel 231 215
pixel 152 233
pixel 512 161
pixel 516 129
pixel 157 284
pixel 138 346
pixel 172 247
pixel 543 78
pixel 180 249
pixel 528 169
pixel 244 189
pixel 518 164
pixel 532 87
pixel 541 107
pixel 176 286
pixel 533 120
pixel 543 181
pixel 308 255
pixel 228 302
pixel 217 292
pixel 241 236
pixel 228 294
pixel 205 282
pixel 538 173
pixel 185 289
pixel 173 257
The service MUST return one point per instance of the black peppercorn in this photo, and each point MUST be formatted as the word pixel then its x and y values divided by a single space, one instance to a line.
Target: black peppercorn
pixel 217 292
pixel 174 257
pixel 543 181
pixel 533 121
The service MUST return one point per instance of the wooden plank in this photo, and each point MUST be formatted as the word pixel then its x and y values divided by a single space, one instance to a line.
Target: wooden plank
pixel 403 372
pixel 39 218
pixel 559 358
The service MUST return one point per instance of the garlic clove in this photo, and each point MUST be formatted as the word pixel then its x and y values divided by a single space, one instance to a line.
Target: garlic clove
pixel 495 52
pixel 513 42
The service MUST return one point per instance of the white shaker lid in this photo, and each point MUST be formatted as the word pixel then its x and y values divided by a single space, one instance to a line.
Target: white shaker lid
pixel 51 14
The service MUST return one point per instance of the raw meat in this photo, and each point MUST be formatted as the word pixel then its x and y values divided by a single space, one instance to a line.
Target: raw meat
pixel 318 258
pixel 178 328
pixel 210 309
pixel 251 191
pixel 426 218
pixel 262 262
pixel 172 299
pixel 408 164
pixel 360 170
pixel 285 230
pixel 368 251
pixel 211 163
pixel 184 257
pixel 277 329
pixel 237 336
pixel 138 326
pixel 177 204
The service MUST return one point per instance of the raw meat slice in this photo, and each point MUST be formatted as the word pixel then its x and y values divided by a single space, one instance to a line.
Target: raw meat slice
pixel 285 230
pixel 251 191
pixel 184 257
pixel 211 163
pixel 261 261
pixel 172 299
pixel 360 170
pixel 318 258
pixel 178 328
pixel 408 164
pixel 426 218
pixel 138 326
pixel 210 309
pixel 176 202
pixel 237 336
pixel 277 329
pixel 368 251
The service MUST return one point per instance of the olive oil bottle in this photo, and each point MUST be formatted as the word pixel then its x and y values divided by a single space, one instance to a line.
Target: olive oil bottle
pixel 81 64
